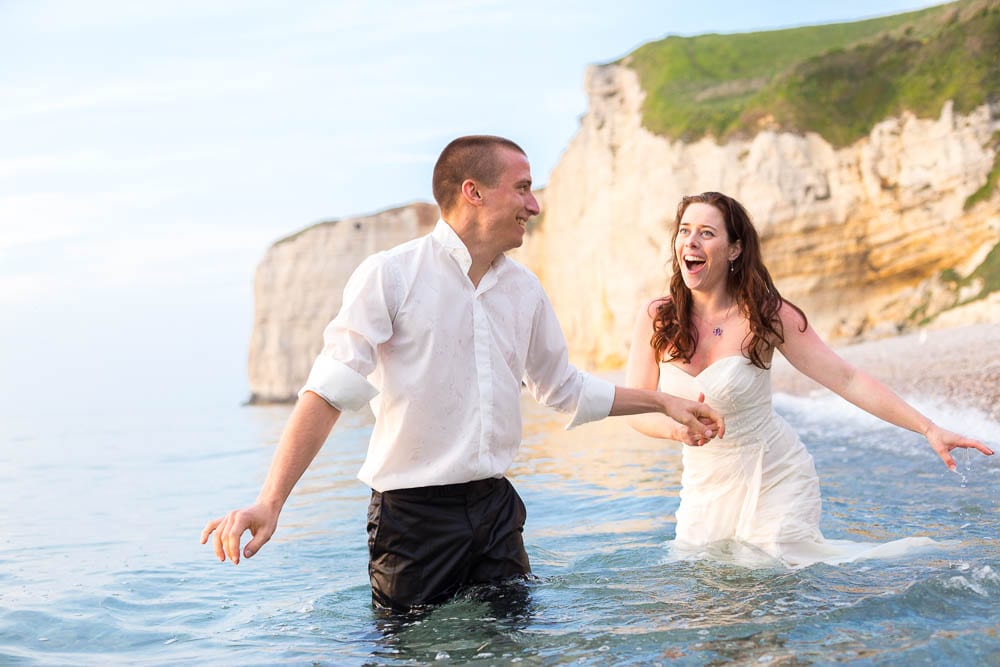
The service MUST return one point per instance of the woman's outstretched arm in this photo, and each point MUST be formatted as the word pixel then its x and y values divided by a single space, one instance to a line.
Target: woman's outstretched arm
pixel 813 358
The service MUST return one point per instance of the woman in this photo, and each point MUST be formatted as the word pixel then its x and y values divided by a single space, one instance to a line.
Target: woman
pixel 713 338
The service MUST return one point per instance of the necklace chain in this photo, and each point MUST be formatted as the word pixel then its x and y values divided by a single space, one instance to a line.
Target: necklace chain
pixel 717 330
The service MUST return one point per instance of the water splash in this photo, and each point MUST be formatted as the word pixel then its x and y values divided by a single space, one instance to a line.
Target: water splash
pixel 968 467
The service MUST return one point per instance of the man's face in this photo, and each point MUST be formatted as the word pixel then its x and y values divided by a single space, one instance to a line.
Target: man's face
pixel 508 205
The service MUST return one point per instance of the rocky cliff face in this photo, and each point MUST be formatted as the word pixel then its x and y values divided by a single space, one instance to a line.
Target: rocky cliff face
pixel 858 237
pixel 298 288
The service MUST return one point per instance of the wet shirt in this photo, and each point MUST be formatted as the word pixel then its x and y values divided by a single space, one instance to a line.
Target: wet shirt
pixel 442 362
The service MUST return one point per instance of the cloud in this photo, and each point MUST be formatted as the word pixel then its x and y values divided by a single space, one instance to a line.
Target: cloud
pixel 60 16
pixel 157 87
pixel 384 21
pixel 170 259
pixel 28 288
pixel 39 217
pixel 49 165
pixel 30 164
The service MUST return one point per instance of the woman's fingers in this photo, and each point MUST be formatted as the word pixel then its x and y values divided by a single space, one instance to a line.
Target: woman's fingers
pixel 217 545
pixel 975 444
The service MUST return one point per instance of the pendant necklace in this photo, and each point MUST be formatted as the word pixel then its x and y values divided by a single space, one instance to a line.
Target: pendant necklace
pixel 717 330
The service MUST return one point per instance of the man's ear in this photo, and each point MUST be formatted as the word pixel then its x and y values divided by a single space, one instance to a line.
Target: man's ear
pixel 470 192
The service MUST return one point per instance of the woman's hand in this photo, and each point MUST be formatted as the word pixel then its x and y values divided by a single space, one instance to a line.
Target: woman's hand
pixel 944 441
pixel 694 438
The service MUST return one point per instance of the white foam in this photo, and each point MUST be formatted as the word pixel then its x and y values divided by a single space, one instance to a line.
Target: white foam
pixel 824 407
pixel 985 574
pixel 960 583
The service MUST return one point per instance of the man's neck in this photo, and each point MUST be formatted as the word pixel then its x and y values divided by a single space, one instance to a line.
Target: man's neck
pixel 480 250
pixel 481 263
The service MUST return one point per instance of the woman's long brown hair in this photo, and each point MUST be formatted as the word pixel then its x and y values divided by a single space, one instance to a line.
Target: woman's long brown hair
pixel 749 283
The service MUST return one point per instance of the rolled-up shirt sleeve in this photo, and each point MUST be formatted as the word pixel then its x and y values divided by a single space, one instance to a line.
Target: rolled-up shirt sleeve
pixel 554 382
pixel 350 341
pixel 596 398
pixel 338 385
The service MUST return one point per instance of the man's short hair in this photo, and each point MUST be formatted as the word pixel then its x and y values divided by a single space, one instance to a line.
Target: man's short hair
pixel 475 157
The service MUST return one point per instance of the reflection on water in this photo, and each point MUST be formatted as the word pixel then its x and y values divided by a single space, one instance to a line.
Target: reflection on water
pixel 604 457
pixel 329 491
pixel 100 561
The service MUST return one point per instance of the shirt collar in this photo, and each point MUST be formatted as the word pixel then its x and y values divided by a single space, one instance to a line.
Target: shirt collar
pixel 452 242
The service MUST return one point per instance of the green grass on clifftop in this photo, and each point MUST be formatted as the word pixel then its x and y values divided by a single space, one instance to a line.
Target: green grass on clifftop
pixel 992 179
pixel 988 272
pixel 837 80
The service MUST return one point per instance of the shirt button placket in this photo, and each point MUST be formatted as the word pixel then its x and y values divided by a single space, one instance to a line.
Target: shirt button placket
pixel 484 374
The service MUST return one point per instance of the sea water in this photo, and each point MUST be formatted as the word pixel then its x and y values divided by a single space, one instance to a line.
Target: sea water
pixel 100 560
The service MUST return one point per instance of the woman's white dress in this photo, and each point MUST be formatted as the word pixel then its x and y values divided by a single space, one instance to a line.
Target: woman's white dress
pixel 756 488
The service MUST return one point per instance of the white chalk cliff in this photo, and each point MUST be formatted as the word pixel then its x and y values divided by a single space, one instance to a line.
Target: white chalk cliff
pixel 299 285
pixel 857 236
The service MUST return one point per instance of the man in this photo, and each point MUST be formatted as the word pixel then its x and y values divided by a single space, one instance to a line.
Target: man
pixel 440 332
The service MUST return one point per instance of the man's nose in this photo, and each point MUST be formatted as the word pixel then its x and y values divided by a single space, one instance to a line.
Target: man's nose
pixel 533 207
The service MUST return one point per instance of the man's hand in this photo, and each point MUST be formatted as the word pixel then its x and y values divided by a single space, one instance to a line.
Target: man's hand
pixel 304 434
pixel 699 422
pixel 227 531
pixel 695 438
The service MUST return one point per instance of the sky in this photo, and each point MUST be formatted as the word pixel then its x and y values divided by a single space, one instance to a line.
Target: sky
pixel 150 152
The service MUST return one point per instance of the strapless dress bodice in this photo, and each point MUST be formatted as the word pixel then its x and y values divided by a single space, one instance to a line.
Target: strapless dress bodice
pixel 738 390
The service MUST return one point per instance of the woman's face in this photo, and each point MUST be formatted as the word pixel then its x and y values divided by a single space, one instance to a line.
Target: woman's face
pixel 703 249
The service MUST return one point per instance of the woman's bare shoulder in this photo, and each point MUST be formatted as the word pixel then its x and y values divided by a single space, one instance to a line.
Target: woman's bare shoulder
pixel 792 316
pixel 653 305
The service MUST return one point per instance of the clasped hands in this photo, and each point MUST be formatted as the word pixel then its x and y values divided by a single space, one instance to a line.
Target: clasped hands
pixel 698 423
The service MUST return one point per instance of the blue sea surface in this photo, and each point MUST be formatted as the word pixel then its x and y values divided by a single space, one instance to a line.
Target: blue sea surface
pixel 100 560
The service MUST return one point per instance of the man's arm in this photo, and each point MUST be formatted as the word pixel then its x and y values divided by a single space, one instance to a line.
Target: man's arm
pixel 697 417
pixel 307 429
pixel 554 382
pixel 337 378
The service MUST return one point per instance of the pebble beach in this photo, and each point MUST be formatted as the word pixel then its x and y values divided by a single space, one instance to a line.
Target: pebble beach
pixel 959 366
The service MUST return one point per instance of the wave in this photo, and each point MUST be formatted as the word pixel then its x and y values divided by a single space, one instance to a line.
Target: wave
pixel 830 411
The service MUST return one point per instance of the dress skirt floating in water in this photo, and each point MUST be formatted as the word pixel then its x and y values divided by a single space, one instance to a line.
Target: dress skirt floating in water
pixel 801 554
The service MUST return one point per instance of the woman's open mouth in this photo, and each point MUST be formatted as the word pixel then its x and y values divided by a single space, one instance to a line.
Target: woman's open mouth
pixel 693 264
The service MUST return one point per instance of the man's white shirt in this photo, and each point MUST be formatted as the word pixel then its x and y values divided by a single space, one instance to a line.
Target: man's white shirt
pixel 442 362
